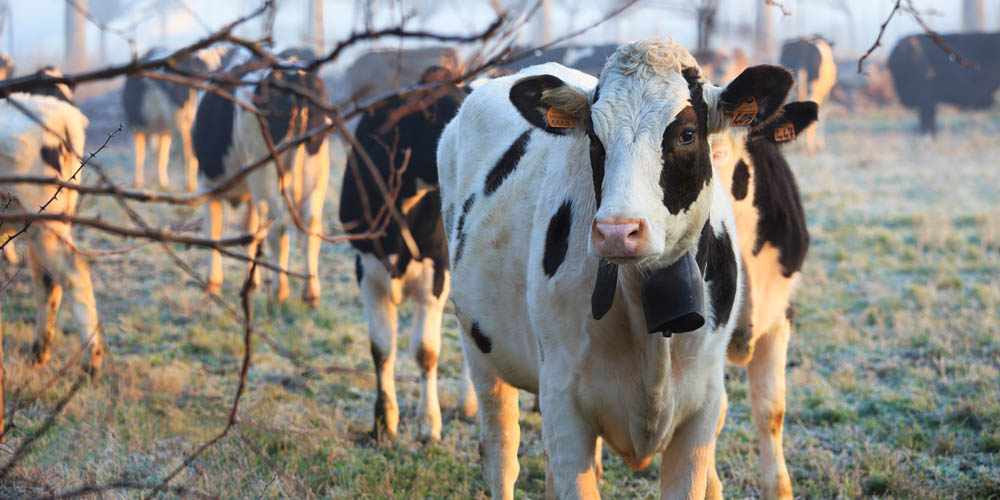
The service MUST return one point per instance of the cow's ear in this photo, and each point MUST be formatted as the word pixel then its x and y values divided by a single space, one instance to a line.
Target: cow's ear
pixel 754 96
pixel 793 118
pixel 551 105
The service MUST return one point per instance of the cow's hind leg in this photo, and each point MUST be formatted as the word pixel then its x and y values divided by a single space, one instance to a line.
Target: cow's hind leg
pixel 48 296
pixel 376 296
pixel 499 431
pixel 767 399
pixel 928 118
pixel 140 158
pixel 468 404
pixel 163 158
pixel 427 344
pixel 213 212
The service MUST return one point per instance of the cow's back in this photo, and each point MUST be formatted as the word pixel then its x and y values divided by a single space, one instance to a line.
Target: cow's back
pixel 922 72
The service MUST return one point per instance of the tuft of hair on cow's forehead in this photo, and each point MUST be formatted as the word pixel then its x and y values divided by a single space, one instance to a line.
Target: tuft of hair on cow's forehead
pixel 657 72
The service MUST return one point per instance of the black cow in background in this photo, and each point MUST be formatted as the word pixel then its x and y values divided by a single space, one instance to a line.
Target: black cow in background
pixel 401 139
pixel 925 75
pixel 227 137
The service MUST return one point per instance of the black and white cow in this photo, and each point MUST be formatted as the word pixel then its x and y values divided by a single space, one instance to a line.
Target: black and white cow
pixel 165 111
pixel 926 76
pixel 585 215
pixel 401 139
pixel 811 61
pixel 228 137
pixel 57 270
pixel 773 240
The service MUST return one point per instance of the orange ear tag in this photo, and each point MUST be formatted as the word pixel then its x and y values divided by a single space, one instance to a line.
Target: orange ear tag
pixel 559 119
pixel 784 132
pixel 745 113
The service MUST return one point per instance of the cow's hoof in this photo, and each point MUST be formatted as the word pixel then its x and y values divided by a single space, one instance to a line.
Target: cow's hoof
pixel 40 355
pixel 311 300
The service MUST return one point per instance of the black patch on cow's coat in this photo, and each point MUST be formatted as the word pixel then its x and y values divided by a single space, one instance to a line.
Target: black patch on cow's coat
pixel 47 282
pixel 597 158
pixel 437 287
pixel 52 156
pixel 460 227
pixel 767 84
pixel 132 96
pixel 45 87
pixel 741 180
pixel 781 220
pixel 506 164
pixel 717 259
pixel 212 134
pixel 605 287
pixel 526 96
pixel 413 125
pixel 359 269
pixel 557 238
pixel 687 168
pixel 482 341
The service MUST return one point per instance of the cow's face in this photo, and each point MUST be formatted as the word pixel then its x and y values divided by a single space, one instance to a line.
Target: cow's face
pixel 648 125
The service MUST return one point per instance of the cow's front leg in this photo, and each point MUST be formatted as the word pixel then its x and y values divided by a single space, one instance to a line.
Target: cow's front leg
pixel 570 444
pixel 499 430
pixel 427 345
pixel 714 487
pixel 381 314
pixel 766 373
pixel 685 464
pixel 48 296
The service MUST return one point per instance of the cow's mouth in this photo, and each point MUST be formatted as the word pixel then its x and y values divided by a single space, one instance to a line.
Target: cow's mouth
pixel 673 297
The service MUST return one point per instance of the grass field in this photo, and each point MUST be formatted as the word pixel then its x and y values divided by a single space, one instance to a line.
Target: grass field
pixel 893 376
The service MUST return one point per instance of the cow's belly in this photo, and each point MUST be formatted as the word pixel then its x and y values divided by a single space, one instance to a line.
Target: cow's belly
pixel 488 288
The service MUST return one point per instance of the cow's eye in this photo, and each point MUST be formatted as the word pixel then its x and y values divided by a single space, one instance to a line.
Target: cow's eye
pixel 687 137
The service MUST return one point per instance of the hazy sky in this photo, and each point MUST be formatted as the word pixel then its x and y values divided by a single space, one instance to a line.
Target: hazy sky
pixel 38 24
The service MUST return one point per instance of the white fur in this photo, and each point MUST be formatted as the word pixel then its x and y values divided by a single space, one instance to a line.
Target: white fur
pixel 642 393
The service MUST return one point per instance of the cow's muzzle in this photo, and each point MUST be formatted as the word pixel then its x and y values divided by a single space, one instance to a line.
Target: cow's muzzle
pixel 620 239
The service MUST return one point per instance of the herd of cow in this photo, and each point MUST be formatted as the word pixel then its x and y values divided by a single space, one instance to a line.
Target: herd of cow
pixel 610 240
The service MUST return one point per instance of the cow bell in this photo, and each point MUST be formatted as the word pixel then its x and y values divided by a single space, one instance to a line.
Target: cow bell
pixel 673 298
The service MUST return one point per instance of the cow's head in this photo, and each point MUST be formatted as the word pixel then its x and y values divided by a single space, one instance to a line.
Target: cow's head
pixel 61 91
pixel 648 124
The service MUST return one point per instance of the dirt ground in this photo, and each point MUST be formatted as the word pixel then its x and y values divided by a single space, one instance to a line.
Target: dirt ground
pixel 893 373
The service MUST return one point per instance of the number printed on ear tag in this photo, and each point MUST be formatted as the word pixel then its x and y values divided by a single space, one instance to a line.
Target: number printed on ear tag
pixel 560 119
pixel 745 113
pixel 784 132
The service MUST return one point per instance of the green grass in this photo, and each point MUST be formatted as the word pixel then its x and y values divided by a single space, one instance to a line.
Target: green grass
pixel 893 378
